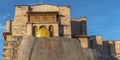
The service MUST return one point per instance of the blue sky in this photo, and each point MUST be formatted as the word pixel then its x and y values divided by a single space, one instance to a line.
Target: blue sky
pixel 103 16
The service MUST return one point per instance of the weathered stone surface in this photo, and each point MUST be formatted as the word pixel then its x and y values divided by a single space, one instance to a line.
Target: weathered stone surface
pixel 56 18
pixel 56 48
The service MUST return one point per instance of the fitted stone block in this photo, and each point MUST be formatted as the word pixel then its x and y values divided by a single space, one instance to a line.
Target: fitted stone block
pixel 84 42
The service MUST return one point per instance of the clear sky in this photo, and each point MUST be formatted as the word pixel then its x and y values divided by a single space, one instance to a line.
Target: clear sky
pixel 103 16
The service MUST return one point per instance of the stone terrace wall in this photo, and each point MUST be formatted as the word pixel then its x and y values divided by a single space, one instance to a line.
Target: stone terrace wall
pixel 56 48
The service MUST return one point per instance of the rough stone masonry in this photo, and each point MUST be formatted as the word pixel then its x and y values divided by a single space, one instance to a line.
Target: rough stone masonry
pixel 57 20
pixel 55 48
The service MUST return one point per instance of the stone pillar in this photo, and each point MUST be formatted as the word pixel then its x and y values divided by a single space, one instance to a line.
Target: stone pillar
pixel 8 26
pixel 56 30
pixel 29 29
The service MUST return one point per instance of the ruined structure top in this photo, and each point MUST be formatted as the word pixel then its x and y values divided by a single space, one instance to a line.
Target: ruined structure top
pixel 56 19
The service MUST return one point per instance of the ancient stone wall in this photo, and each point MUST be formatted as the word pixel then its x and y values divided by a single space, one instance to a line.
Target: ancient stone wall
pixel 99 44
pixel 96 42
pixel 92 42
pixel 64 11
pixel 117 47
pixel 106 47
pixel 75 27
pixel 84 42
pixel 11 46
pixel 83 25
pixel 79 26
pixel 19 27
pixel 56 48
pixel 21 16
pixel 7 49
pixel 19 30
